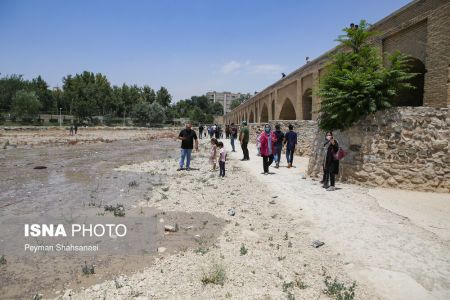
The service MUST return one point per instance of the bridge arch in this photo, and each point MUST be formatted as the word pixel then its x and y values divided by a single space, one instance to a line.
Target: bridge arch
pixel 251 118
pixel 413 97
pixel 264 114
pixel 273 110
pixel 287 111
pixel 307 104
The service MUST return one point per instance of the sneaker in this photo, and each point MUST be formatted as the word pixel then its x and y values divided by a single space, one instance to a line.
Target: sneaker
pixel 266 173
pixel 188 169
pixel 179 169
pixel 243 159
pixel 331 188
pixel 325 186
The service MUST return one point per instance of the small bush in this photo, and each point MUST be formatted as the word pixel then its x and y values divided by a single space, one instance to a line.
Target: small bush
pixel 215 275
pixel 243 250
pixel 338 290
pixel 88 270
pixel 2 260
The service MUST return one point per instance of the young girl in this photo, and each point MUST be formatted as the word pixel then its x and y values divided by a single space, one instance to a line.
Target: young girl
pixel 222 158
pixel 258 142
pixel 213 154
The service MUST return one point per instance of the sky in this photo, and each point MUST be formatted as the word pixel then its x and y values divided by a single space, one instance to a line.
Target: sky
pixel 189 46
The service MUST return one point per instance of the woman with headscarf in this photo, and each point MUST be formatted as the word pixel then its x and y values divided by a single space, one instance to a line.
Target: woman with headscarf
pixel 330 164
pixel 267 140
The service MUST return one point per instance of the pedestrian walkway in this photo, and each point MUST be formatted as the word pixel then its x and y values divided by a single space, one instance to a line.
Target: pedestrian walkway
pixel 397 242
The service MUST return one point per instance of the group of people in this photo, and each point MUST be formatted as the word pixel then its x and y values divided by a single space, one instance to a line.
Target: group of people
pixel 73 129
pixel 212 130
pixel 270 144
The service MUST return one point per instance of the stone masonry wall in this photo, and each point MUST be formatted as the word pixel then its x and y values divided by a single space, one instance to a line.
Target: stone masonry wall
pixel 404 148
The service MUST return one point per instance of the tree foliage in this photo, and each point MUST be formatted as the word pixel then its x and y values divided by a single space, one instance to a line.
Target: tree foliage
pixel 149 113
pixel 356 83
pixel 25 105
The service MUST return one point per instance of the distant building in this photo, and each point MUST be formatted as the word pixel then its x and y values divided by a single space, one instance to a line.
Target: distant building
pixel 224 98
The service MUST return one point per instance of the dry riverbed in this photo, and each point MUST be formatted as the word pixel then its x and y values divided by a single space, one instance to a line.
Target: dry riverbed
pixel 262 252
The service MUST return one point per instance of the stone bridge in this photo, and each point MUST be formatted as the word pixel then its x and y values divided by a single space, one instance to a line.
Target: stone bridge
pixel 420 29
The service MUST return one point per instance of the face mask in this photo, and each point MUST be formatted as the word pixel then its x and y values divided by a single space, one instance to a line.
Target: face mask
pixel 328 137
pixel 267 130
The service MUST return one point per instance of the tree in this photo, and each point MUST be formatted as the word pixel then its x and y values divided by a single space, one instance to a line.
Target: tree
pixel 26 105
pixel 356 83
pixel 148 95
pixel 144 113
pixel 9 86
pixel 235 103
pixel 216 109
pixel 45 96
pixel 197 116
pixel 163 97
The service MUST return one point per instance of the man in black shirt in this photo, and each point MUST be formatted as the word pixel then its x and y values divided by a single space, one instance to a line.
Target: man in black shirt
pixel 187 137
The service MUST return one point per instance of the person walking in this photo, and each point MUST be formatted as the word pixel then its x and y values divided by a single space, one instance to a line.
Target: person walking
pixel 278 145
pixel 76 128
pixel 268 140
pixel 330 165
pixel 187 137
pixel 244 135
pixel 200 131
pixel 218 132
pixel 227 131
pixel 233 136
pixel 290 139
pixel 222 158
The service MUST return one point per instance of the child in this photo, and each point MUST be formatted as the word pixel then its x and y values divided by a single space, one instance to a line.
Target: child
pixel 213 154
pixel 222 158
pixel 258 142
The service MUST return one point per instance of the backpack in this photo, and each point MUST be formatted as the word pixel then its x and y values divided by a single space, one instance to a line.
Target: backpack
pixel 340 154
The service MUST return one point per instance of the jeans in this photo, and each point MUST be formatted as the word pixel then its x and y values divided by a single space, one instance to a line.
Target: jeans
pixel 232 143
pixel 222 168
pixel 245 150
pixel 185 153
pixel 290 154
pixel 267 161
pixel 277 156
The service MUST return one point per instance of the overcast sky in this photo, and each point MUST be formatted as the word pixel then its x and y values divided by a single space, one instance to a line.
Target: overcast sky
pixel 190 47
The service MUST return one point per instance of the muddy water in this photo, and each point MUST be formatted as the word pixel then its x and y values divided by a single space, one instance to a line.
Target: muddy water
pixel 76 184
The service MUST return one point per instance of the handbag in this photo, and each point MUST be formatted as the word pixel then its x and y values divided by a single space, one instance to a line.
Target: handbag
pixel 340 154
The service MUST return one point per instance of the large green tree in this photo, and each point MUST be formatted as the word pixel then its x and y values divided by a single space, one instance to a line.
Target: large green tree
pixel 40 87
pixel 26 105
pixel 9 86
pixel 357 83
pixel 148 113
pixel 163 97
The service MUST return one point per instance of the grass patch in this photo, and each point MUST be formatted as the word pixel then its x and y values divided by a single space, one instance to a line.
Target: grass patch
pixel 215 274
pixel 339 290
pixel 201 250
pixel 88 270
pixel 243 250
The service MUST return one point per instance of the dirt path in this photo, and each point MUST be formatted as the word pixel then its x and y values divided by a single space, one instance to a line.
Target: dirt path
pixel 264 251
pixel 395 241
